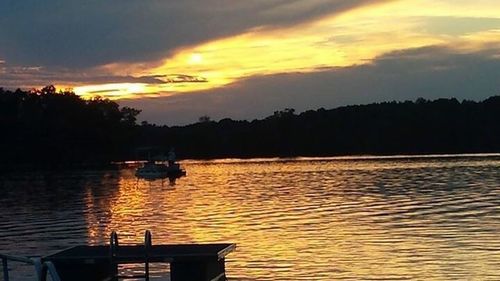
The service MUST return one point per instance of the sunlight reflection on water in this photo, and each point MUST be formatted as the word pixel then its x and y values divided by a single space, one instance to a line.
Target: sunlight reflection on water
pixel 295 219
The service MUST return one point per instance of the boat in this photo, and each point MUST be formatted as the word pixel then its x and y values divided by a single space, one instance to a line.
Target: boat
pixel 153 170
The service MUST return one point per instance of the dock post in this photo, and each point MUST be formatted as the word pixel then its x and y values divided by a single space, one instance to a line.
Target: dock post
pixel 5 269
pixel 147 248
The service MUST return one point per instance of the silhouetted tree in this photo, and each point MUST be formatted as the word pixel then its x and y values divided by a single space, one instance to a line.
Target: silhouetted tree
pixel 129 115
pixel 422 126
pixel 46 128
pixel 204 119
pixel 52 129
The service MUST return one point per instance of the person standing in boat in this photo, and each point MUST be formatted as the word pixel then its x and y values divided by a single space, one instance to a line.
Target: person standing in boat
pixel 171 157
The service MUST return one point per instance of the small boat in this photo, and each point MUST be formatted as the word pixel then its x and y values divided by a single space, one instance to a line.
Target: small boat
pixel 152 170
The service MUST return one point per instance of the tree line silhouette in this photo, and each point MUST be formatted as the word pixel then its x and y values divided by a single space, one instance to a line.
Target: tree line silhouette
pixel 410 127
pixel 50 129
pixel 46 128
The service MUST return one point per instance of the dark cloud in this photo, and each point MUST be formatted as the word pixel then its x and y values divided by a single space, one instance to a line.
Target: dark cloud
pixel 26 77
pixel 431 72
pixel 81 34
pixel 181 78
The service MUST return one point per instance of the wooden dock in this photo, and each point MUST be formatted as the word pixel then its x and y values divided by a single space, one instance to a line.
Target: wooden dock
pixel 190 262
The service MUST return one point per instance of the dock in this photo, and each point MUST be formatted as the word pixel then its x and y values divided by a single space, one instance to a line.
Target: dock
pixel 188 262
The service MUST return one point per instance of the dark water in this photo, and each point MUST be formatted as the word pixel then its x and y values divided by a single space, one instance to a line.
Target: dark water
pixel 299 219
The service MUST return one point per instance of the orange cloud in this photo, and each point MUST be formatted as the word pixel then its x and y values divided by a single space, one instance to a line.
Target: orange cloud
pixel 352 38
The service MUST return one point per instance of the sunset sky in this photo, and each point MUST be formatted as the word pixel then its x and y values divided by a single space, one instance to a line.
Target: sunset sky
pixel 244 59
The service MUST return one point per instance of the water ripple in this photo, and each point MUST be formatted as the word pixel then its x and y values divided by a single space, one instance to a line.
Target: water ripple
pixel 305 219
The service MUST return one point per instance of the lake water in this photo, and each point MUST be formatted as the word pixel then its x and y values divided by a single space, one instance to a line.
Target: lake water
pixel 393 218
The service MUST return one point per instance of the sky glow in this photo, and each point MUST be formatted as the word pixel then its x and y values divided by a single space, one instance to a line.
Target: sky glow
pixel 354 37
pixel 300 37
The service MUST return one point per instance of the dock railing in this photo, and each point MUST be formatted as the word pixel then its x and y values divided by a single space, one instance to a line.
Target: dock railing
pixel 115 256
pixel 41 269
